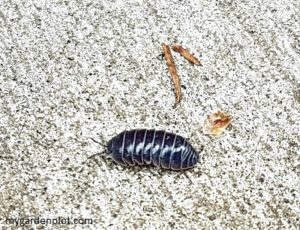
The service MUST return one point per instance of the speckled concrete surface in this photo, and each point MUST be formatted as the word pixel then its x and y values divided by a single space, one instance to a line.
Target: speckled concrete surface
pixel 71 70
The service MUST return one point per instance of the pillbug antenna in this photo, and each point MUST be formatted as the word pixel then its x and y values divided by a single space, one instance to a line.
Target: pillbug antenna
pixel 96 154
pixel 103 145
pixel 91 157
pixel 100 153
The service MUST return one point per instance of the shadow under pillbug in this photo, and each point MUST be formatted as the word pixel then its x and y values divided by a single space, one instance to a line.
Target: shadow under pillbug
pixel 160 148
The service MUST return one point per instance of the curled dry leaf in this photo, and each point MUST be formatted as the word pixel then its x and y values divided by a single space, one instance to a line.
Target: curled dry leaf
pixel 173 72
pixel 186 54
pixel 216 123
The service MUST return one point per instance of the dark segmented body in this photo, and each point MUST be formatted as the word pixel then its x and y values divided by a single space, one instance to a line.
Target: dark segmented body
pixel 160 148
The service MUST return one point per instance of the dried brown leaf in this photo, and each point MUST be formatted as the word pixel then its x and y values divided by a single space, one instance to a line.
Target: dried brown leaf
pixel 173 72
pixel 186 54
pixel 216 123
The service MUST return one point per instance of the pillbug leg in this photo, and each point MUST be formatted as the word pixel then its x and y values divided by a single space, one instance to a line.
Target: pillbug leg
pixel 185 174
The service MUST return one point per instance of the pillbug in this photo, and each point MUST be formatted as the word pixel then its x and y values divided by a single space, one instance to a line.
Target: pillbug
pixel 156 147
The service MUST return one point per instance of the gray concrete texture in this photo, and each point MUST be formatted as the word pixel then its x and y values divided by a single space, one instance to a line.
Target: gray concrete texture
pixel 72 70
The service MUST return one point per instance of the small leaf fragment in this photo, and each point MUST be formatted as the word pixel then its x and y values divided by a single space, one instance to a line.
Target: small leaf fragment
pixel 186 54
pixel 173 72
pixel 216 123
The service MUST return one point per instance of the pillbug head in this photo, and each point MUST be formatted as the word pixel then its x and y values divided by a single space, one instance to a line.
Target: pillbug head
pixel 115 148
